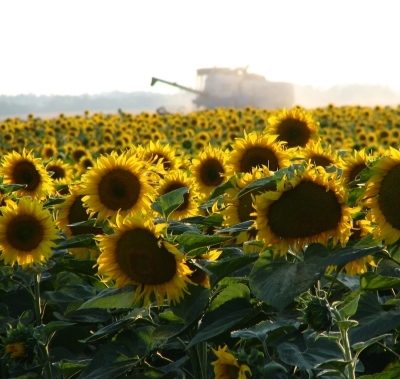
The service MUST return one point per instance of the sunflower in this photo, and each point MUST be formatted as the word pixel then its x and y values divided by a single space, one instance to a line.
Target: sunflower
pixel 381 195
pixel 72 211
pixel 49 151
pixel 25 169
pixel 210 169
pixel 137 255
pixel 296 127
pixel 318 155
pixel 256 151
pixel 27 232
pixel 174 180
pixel 116 184
pixel 310 207
pixel 60 170
pixel 352 165
pixel 156 151
pixel 227 366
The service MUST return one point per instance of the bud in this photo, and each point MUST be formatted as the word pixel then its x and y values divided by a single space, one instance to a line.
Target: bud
pixel 318 315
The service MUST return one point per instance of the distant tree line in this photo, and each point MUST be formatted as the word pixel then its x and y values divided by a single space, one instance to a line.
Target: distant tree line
pixel 135 102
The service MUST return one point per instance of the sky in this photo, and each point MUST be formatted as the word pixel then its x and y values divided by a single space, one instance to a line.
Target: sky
pixel 74 47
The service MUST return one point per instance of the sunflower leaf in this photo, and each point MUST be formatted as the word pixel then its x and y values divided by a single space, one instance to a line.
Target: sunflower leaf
pixel 220 190
pixel 259 183
pixel 349 254
pixel 372 281
pixel 170 201
pixel 120 298
pixel 83 240
pixel 278 282
pixel 8 188
pixel 194 241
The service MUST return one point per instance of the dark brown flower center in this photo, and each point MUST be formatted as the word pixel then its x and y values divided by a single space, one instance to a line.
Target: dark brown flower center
pixel 58 171
pixel 389 200
pixel 295 132
pixel 355 171
pixel 25 172
pixel 304 211
pixel 119 189
pixel 319 160
pixel 257 157
pixel 211 171
pixel 24 232
pixel 141 258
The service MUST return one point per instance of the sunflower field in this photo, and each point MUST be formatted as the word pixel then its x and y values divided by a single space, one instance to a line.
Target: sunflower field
pixel 226 244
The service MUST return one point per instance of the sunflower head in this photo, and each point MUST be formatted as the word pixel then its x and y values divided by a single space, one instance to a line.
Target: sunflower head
pixel 227 365
pixel 117 184
pixel 210 169
pixel 27 232
pixel 138 255
pixel 296 127
pixel 310 207
pixel 26 170
pixel 256 150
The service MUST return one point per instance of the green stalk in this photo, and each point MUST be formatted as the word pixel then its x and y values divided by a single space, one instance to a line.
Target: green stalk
pixel 350 369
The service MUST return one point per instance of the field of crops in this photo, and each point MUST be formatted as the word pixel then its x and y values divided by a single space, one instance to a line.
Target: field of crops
pixel 227 244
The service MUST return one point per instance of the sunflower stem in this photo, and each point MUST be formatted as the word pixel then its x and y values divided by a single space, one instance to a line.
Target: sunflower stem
pixel 333 281
pixel 36 299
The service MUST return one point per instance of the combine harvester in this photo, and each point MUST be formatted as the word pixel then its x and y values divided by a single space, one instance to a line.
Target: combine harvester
pixel 224 87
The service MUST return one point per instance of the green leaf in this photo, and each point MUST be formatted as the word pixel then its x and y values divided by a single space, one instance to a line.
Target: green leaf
pixel 112 298
pixel 170 201
pixel 194 241
pixel 220 190
pixel 221 320
pixel 372 281
pixel 115 327
pixel 8 188
pixel 309 359
pixel 334 364
pixel 69 292
pixel 231 292
pixel 224 267
pixel 52 327
pixel 164 332
pixel 113 370
pixel 375 325
pixel 362 345
pixel 278 282
pixel 349 306
pixel 192 306
pixel 83 240
pixel 346 255
pixel 69 368
pixel 257 184
pixel 237 228
pixel 260 331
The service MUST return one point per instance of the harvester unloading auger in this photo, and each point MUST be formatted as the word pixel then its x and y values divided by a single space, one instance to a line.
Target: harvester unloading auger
pixel 224 87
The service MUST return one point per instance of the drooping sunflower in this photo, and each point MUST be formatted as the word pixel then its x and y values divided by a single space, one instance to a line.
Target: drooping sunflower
pixel 296 127
pixel 227 366
pixel 310 207
pixel 137 254
pixel 256 150
pixel 116 184
pixel 174 180
pixel 72 211
pixel 210 169
pixel 25 169
pixel 381 195
pixel 157 151
pixel 27 232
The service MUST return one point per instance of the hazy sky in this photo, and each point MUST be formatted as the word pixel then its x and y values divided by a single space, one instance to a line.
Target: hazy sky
pixel 93 46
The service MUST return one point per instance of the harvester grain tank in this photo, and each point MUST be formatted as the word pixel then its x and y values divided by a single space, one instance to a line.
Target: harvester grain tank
pixel 225 87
